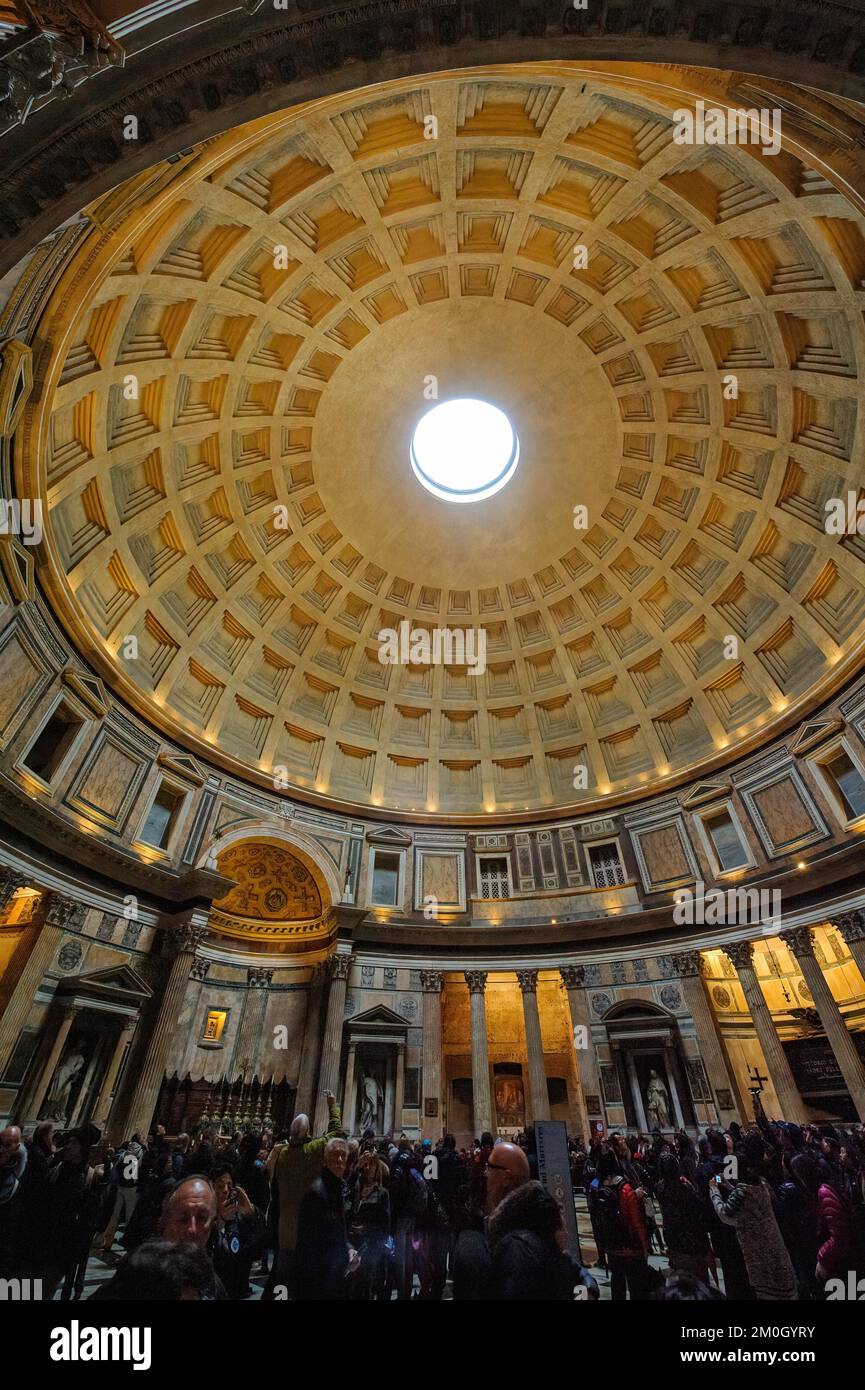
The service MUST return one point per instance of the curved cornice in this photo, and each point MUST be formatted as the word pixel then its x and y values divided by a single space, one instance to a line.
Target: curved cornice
pixel 69 153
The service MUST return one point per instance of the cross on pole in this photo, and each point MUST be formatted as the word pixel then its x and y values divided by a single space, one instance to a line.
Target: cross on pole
pixel 756 1080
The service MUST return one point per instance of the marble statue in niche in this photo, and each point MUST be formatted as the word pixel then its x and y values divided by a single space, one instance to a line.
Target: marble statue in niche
pixel 371 1103
pixel 57 1102
pixel 657 1102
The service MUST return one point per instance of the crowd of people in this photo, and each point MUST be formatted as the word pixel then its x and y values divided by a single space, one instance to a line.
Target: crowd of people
pixel 774 1211
pixel 778 1207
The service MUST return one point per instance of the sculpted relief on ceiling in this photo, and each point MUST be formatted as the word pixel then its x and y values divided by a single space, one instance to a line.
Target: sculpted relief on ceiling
pixel 271 885
pixel 237 361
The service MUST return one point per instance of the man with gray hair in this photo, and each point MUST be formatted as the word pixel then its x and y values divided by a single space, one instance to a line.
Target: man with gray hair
pixel 13 1162
pixel 297 1166
pixel 324 1256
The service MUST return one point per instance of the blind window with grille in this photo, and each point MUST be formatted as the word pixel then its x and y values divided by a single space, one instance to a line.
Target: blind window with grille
pixel 606 866
pixel 493 874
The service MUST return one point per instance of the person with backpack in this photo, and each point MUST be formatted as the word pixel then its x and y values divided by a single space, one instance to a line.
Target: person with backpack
pixel 622 1226
pixel 684 1216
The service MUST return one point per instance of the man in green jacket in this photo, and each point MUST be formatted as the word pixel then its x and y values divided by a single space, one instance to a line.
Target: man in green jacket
pixel 298 1164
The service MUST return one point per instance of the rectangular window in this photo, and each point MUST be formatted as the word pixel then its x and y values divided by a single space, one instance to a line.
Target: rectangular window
pixel 606 866
pixel 161 817
pixel 385 879
pixel 52 743
pixel 214 1025
pixel 726 840
pixel 493 878
pixel 848 783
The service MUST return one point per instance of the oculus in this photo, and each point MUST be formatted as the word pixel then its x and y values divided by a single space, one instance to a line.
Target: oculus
pixel 464 450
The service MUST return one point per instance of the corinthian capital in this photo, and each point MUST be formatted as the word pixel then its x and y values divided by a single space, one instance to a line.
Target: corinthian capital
pixel 851 925
pixel 573 976
pixel 10 882
pixel 687 963
pixel 741 953
pixel 184 938
pixel 800 941
pixel 338 967
pixel 431 981
pixel 476 981
pixel 258 978
pixel 528 981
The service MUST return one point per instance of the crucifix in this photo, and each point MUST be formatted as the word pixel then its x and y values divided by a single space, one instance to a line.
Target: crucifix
pixel 756 1089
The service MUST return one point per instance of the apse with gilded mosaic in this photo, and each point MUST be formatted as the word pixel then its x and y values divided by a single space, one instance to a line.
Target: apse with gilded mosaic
pixel 268 882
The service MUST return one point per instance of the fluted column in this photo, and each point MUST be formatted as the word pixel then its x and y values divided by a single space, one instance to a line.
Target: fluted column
pixel 689 965
pixel 183 938
pixel 800 940
pixel 337 968
pixel 399 1091
pixel 574 980
pixel 248 1049
pixel 741 953
pixel 311 1051
pixel 33 1104
pixel 851 925
pixel 538 1094
pixel 61 914
pixel 348 1095
pixel 106 1091
pixel 431 1059
pixel 481 1100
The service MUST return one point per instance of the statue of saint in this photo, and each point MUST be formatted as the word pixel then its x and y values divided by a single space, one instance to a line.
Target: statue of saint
pixel 57 1101
pixel 371 1097
pixel 657 1102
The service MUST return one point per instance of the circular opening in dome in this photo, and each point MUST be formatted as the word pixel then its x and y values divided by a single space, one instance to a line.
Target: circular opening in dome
pixel 464 450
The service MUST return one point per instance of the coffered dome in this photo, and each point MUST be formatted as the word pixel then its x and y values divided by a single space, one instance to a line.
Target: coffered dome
pixel 245 341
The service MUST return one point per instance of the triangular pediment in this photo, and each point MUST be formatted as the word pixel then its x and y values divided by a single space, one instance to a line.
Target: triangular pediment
pixel 379 1014
pixel 389 835
pixel 182 766
pixel 706 791
pixel 16 384
pixel 116 980
pixel 19 569
pixel 812 732
pixel 88 688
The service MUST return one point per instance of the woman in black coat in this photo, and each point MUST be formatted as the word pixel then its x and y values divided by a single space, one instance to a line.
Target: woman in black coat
pixel 686 1231
pixel 369 1227
pixel 528 1262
